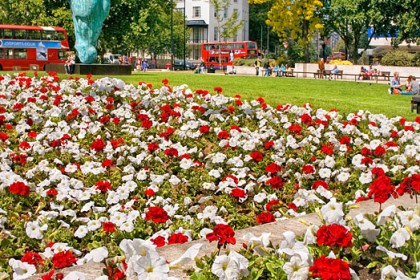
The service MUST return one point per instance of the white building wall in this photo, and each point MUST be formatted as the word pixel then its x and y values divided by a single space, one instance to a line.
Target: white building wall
pixel 207 14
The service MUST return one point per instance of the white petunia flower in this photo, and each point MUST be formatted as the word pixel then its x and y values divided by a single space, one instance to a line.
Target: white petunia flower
pixel 296 268
pixel 34 230
pixel 399 237
pixel 22 270
pixel 332 212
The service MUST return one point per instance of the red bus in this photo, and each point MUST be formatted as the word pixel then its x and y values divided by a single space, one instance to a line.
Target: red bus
pixel 212 51
pixel 31 47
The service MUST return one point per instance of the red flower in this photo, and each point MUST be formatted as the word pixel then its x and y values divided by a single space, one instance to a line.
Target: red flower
pixel 295 128
pixel 379 151
pixel 269 144
pixel 327 149
pixel 165 81
pixel 275 182
pixel 410 185
pixel 345 140
pixel 224 234
pixel 103 186
pixel 52 192
pixel 272 204
pixel 272 168
pixel 159 241
pixel 108 226
pixel 104 119
pixel 19 188
pixel 98 145
pixel 381 189
pixel 308 169
pixel 177 238
pixel 306 119
pixel 334 235
pixel 152 147
pixel 3 136
pixel 257 156
pixel 330 269
pixel 223 135
pixel 33 258
pixel 238 193
pixel 171 152
pixel 265 217
pixel 149 192
pixel 63 259
pixel 106 163
pixel 157 215
pixel 320 183
pixel 32 134
pixel 218 89
pixel 24 145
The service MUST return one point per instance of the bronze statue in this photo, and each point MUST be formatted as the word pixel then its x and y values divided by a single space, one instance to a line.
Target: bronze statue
pixel 88 17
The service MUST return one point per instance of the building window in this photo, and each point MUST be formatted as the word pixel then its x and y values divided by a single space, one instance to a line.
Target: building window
pixel 225 13
pixel 196 12
pixel 216 34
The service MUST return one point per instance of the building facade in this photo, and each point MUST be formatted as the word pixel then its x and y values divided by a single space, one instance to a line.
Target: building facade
pixel 201 20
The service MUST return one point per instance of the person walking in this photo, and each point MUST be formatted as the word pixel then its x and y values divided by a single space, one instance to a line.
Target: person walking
pixel 321 68
pixel 257 66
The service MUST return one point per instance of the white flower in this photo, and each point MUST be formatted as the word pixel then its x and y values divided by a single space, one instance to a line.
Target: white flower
pixel 260 197
pixel 332 212
pixel 33 230
pixel 388 212
pixel 391 254
pixel 368 229
pixel 81 232
pixel 410 219
pixel 21 270
pixel 399 238
pixel 259 244
pixel 188 256
pixel 229 267
pixel 75 275
pixel 296 269
pixel 151 268
pixel 96 255
pixel 324 173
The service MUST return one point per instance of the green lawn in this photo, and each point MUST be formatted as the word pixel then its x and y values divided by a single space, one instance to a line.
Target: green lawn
pixel 345 96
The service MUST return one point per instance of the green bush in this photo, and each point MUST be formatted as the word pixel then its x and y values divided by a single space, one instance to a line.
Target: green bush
pixel 398 58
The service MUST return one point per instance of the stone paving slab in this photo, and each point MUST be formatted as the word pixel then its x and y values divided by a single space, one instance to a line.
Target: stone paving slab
pixel 276 229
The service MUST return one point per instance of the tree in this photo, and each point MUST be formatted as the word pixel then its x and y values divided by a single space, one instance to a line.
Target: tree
pixel 227 27
pixel 295 20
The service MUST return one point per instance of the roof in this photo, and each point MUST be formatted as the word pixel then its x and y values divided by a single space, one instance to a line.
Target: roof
pixel 197 22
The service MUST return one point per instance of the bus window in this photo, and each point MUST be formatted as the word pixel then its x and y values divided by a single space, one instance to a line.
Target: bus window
pixel 59 36
pixel 1 53
pixel 8 34
pixel 20 34
pixel 251 45
pixel 9 53
pixel 48 35
pixel 62 54
pixel 20 54
pixel 34 34
pixel 1 32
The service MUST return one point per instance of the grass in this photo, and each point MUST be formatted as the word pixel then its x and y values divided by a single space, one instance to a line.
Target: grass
pixel 345 96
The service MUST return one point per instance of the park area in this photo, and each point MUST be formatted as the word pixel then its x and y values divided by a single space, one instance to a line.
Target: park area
pixel 113 170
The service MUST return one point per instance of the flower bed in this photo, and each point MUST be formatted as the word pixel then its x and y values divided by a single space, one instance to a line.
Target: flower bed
pixel 87 164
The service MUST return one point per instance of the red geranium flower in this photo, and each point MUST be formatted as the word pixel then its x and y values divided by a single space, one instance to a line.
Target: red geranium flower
pixel 223 135
pixel 257 156
pixel 103 186
pixel 98 145
pixel 272 204
pixel 410 185
pixel 330 269
pixel 159 241
pixel 295 128
pixel 381 189
pixel 106 163
pixel 177 238
pixel 269 144
pixel 218 89
pixel 152 147
pixel 238 193
pixel 334 235
pixel 19 188
pixel 327 149
pixel 265 217
pixel 157 215
pixel 308 169
pixel 149 192
pixel 224 234
pixel 320 183
pixel 108 226
pixel 33 258
pixel 272 168
pixel 275 182
pixel 63 259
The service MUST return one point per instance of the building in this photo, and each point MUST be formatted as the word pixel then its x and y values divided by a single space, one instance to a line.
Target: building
pixel 201 19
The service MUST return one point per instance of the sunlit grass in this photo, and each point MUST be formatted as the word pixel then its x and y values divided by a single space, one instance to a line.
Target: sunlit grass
pixel 345 96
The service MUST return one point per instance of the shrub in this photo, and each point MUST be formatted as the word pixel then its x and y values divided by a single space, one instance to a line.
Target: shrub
pixel 398 58
pixel 340 62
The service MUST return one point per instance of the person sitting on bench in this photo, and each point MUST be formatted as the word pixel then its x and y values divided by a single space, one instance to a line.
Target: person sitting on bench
pixel 233 71
pixel 395 84
pixel 413 87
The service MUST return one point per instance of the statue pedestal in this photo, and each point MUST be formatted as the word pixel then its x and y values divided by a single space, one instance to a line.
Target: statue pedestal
pixel 94 69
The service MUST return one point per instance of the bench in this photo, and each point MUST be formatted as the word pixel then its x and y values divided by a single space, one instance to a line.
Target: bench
pixel 415 103
pixel 289 72
pixel 386 75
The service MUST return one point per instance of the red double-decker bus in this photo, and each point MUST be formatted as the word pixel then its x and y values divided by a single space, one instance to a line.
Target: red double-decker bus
pixel 31 47
pixel 223 53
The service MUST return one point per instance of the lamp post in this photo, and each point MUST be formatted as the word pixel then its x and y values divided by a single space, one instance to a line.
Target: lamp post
pixel 172 36
pixel 185 15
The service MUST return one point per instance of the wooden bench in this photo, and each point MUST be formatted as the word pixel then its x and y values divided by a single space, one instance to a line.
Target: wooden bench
pixel 415 103
pixel 289 73
pixel 386 75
